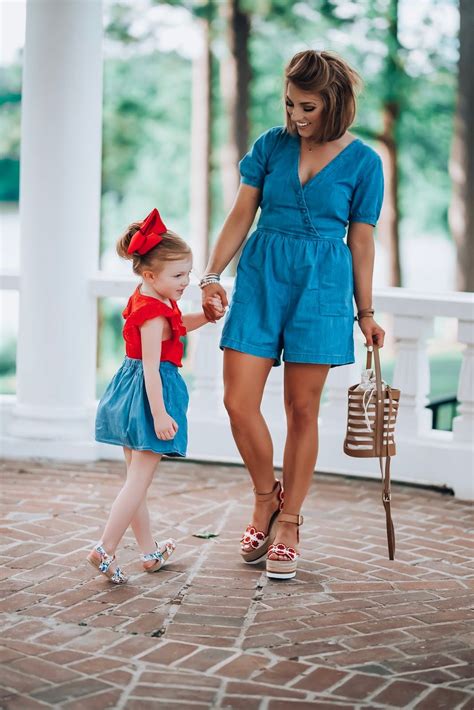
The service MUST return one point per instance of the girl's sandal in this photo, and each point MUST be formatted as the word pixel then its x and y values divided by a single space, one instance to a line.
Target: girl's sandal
pixel 154 561
pixel 286 568
pixel 258 540
pixel 99 559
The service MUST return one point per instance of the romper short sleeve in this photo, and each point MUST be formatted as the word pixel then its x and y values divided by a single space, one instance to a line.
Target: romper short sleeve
pixel 253 166
pixel 368 194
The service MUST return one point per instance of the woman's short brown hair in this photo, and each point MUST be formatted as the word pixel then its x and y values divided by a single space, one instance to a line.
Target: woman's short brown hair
pixel 330 76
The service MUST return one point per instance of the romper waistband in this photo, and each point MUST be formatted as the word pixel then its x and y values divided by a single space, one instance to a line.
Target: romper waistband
pixel 299 235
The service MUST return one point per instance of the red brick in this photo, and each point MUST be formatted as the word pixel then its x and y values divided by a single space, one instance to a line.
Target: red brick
pixel 442 699
pixel 100 701
pixel 60 693
pixel 205 659
pixel 320 679
pixel 168 652
pixel 51 672
pixel 282 672
pixel 360 686
pixel 400 693
pixel 243 667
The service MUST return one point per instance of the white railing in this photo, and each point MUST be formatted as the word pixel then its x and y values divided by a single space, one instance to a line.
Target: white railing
pixel 424 455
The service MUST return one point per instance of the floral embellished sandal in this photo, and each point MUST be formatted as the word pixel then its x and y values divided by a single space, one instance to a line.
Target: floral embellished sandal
pixel 257 540
pixel 99 559
pixel 284 569
pixel 154 561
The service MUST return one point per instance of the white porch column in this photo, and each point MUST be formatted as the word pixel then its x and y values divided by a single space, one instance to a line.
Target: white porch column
pixel 412 373
pixel 60 217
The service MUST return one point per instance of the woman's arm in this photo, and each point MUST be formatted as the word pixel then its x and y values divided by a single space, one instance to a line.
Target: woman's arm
pixel 233 233
pixel 151 335
pixel 360 240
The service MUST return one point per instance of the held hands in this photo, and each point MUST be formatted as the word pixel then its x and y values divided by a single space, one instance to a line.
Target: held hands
pixel 165 426
pixel 214 302
pixel 373 332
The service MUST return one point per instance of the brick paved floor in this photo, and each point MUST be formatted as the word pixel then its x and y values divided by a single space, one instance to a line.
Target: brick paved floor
pixel 352 631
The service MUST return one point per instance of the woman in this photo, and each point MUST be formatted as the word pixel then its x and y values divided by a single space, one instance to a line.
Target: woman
pixel 295 284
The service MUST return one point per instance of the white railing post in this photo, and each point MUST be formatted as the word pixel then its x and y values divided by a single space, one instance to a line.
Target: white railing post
pixel 333 411
pixel 412 373
pixel 207 390
pixel 463 424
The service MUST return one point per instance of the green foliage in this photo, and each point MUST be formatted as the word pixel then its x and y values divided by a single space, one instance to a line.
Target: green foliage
pixel 146 140
pixel 10 97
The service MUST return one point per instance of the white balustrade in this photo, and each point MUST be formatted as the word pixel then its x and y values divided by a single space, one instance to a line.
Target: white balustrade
pixel 412 372
pixel 463 424
pixel 424 455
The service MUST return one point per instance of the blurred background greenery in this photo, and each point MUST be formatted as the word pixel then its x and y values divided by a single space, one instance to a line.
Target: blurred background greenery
pixel 181 76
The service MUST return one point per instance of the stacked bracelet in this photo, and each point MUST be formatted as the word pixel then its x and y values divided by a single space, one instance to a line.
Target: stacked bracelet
pixel 365 313
pixel 209 279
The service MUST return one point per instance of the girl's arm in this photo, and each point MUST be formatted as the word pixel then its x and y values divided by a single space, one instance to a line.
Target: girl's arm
pixel 233 233
pixel 192 321
pixel 360 240
pixel 151 335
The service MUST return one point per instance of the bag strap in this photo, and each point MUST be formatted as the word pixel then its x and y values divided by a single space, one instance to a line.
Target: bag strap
pixel 379 437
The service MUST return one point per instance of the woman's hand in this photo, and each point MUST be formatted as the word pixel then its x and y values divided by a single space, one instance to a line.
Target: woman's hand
pixel 165 426
pixel 211 295
pixel 372 331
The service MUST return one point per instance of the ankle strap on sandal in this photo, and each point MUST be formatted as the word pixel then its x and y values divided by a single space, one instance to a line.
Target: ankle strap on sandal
pixel 290 518
pixel 267 496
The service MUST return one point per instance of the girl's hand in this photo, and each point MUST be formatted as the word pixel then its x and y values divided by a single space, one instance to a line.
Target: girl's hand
pixel 165 426
pixel 372 331
pixel 209 294
pixel 216 303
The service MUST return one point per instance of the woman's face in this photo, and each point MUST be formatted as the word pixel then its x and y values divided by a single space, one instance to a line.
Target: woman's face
pixel 305 109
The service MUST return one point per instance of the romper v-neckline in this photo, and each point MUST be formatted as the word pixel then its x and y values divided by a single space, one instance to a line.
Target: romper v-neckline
pixel 324 169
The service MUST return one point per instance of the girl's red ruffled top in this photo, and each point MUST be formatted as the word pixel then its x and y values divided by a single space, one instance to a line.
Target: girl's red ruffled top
pixel 141 308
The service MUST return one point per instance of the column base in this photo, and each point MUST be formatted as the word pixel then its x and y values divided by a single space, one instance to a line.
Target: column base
pixel 46 432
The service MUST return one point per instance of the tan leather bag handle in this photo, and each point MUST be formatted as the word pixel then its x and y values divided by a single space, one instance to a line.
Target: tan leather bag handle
pixel 380 424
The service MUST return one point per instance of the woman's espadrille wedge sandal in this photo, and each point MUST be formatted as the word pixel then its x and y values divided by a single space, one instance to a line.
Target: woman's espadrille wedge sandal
pixel 284 568
pixel 106 565
pixel 254 543
pixel 154 561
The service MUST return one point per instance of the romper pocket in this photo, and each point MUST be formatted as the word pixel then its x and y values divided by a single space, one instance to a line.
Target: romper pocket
pixel 336 283
pixel 242 292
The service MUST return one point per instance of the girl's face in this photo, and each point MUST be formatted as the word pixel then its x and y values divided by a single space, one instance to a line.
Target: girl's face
pixel 305 109
pixel 170 281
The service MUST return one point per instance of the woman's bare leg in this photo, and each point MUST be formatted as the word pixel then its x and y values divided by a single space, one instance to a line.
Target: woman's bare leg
pixel 140 473
pixel 303 388
pixel 244 381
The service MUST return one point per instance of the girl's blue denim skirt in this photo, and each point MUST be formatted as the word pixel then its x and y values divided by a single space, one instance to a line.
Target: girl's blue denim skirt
pixel 124 417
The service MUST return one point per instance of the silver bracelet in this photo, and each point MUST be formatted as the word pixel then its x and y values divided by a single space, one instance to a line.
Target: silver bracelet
pixel 209 279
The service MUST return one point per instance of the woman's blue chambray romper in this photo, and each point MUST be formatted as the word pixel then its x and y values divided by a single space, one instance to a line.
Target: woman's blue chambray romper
pixel 293 290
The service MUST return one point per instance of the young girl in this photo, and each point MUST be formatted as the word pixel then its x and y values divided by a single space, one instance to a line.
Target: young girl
pixel 144 407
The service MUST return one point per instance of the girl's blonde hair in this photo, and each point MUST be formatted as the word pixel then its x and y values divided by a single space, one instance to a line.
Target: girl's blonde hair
pixel 171 248
pixel 330 76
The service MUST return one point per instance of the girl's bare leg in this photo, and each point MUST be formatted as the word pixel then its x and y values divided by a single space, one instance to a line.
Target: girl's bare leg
pixel 244 381
pixel 140 522
pixel 140 473
pixel 303 388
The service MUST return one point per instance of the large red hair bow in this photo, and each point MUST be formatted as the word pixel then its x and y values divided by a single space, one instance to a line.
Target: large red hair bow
pixel 149 234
